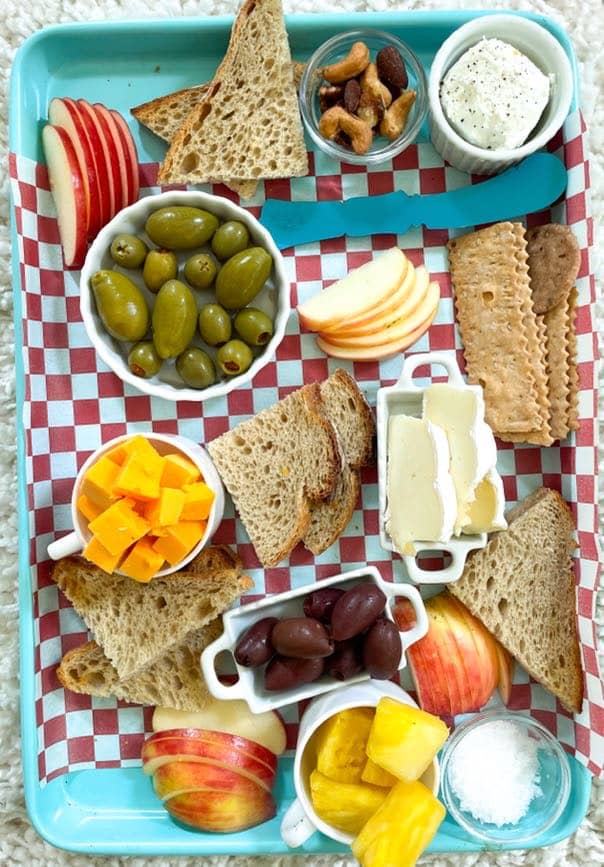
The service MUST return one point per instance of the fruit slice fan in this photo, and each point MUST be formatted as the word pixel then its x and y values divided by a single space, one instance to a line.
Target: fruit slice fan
pixel 73 403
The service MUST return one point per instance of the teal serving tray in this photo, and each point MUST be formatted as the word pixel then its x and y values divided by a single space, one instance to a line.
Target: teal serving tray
pixel 114 811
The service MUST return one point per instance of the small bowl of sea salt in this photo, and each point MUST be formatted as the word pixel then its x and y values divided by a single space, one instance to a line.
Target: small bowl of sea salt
pixel 505 777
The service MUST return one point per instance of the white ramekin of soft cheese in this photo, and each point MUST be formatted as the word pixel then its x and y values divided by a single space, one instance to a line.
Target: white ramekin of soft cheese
pixel 541 48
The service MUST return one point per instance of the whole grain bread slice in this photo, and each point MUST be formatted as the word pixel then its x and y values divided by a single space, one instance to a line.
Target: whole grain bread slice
pixel 522 587
pixel 248 125
pixel 275 466
pixel 173 680
pixel 350 414
pixel 137 623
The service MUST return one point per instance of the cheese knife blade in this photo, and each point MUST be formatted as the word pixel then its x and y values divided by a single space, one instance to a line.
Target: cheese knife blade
pixel 530 186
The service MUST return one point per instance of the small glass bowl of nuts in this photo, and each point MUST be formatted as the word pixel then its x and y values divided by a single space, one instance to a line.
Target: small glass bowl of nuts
pixel 363 96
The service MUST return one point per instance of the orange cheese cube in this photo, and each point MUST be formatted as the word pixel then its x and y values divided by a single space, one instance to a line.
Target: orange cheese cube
pixel 142 562
pixel 119 526
pixel 198 502
pixel 97 498
pixel 99 479
pixel 100 556
pixel 166 509
pixel 139 476
pixel 178 472
pixel 179 540
pixel 139 444
pixel 89 508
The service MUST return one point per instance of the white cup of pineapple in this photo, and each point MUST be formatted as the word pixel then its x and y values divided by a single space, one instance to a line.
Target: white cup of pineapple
pixel 332 743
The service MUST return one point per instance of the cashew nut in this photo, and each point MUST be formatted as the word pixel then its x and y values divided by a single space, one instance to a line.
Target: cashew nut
pixel 395 117
pixel 337 119
pixel 350 66
pixel 370 83
pixel 370 109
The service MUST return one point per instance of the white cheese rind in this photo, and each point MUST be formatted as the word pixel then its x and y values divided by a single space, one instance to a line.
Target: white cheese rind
pixel 486 512
pixel 422 504
pixel 493 96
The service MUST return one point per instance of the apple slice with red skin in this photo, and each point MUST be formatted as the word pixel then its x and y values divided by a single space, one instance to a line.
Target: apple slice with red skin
pixel 506 671
pixel 466 651
pixel 485 652
pixel 452 670
pixel 181 776
pixel 68 191
pixel 232 759
pixel 405 618
pixel 64 112
pixel 100 163
pixel 222 811
pixel 205 744
pixel 112 169
pixel 130 147
pixel 122 153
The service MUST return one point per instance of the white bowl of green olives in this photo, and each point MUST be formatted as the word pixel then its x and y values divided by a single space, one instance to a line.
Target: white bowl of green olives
pixel 184 295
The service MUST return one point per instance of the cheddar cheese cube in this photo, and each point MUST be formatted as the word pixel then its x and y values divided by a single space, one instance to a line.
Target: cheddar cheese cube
pixel 100 556
pixel 179 540
pixel 178 472
pixel 89 508
pixel 119 526
pixel 142 562
pixel 139 477
pixel 198 502
pixel 166 509
pixel 99 480
pixel 96 497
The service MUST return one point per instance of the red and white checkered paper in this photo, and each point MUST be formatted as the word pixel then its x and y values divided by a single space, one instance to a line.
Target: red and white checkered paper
pixel 73 403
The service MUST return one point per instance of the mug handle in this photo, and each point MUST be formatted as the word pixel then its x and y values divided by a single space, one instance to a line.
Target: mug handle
pixel 64 547
pixel 296 827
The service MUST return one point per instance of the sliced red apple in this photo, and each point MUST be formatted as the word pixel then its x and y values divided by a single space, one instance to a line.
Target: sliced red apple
pixel 222 811
pixel 485 651
pixel 426 668
pixel 68 191
pixel 205 744
pixel 128 144
pixel 506 672
pixel 233 717
pixel 357 293
pixel 451 666
pixel 469 663
pixel 123 154
pixel 112 169
pixel 182 776
pixel 100 164
pixel 64 112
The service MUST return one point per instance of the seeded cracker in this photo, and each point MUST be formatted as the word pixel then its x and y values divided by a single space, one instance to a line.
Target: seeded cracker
pixel 554 261
pixel 498 327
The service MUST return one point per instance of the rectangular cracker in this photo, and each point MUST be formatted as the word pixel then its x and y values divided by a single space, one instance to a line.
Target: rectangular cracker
pixel 499 331
pixel 573 372
pixel 557 327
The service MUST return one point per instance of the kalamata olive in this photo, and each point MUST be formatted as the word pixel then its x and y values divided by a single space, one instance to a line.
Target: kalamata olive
pixel 254 647
pixel 356 610
pixel 382 649
pixel 345 661
pixel 302 637
pixel 320 603
pixel 284 672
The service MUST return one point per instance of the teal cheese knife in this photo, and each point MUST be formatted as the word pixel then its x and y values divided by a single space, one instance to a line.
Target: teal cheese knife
pixel 530 186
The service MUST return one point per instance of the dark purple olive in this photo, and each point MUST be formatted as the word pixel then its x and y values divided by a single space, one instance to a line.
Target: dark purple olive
pixel 302 637
pixel 356 610
pixel 284 673
pixel 382 649
pixel 320 603
pixel 254 648
pixel 345 661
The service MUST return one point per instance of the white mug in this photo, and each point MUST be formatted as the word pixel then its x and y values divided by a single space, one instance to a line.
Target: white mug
pixel 77 540
pixel 300 821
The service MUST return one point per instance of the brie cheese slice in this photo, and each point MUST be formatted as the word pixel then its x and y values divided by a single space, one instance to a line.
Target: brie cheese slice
pixel 486 512
pixel 460 413
pixel 422 504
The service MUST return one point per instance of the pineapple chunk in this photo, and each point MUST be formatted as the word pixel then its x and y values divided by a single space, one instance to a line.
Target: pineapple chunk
pixel 372 773
pixel 399 831
pixel 404 740
pixel 346 806
pixel 341 743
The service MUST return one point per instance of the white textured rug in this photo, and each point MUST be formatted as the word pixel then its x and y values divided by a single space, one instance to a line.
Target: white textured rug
pixel 19 843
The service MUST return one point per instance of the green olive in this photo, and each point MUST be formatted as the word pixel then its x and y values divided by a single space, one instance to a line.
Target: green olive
pixel 196 368
pixel 174 319
pixel 234 357
pixel 120 304
pixel 179 227
pixel 200 270
pixel 128 251
pixel 143 359
pixel 254 326
pixel 242 277
pixel 160 266
pixel 214 324
pixel 230 238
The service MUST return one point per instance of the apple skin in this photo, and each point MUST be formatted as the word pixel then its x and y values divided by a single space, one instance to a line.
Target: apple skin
pixel 98 154
pixel 122 154
pixel 405 618
pixel 130 147
pixel 180 776
pixel 68 191
pixel 222 812
pixel 234 760
pixel 206 744
pixel 112 169
pixel 485 651
pixel 506 672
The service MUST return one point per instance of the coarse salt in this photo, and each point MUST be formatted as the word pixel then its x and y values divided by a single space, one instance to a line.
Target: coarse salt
pixel 494 771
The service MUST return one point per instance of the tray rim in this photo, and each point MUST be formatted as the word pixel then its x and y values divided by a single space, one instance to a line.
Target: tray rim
pixel 41 802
